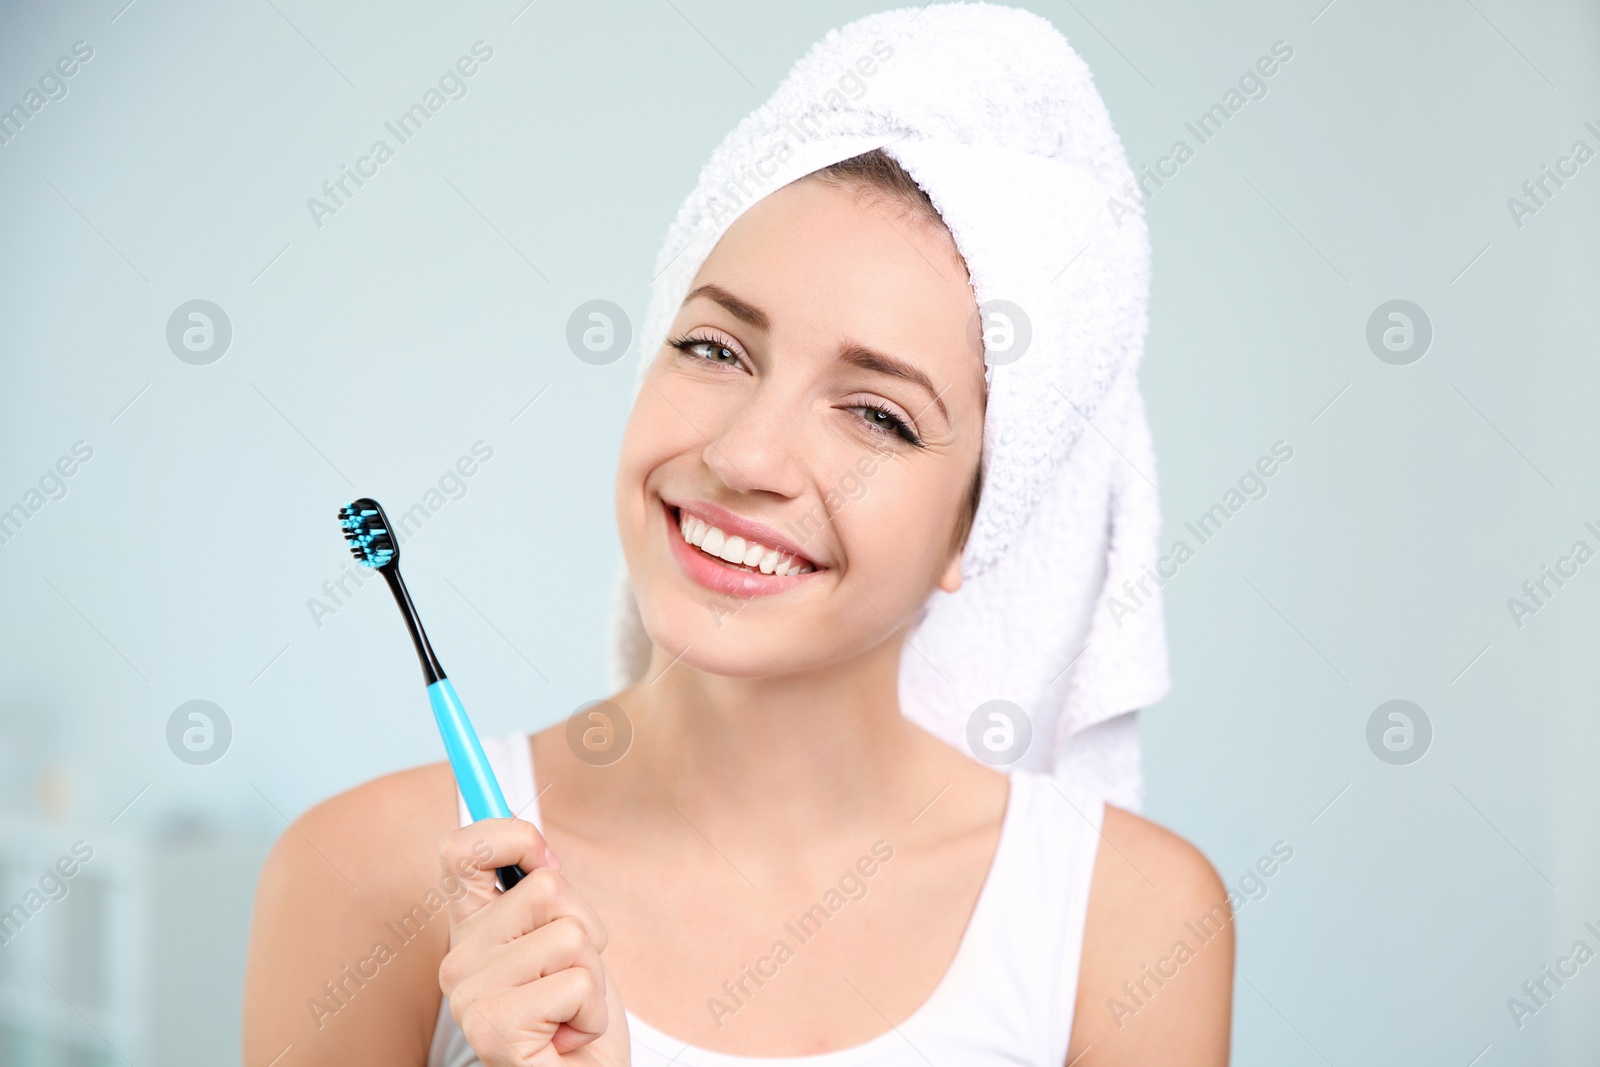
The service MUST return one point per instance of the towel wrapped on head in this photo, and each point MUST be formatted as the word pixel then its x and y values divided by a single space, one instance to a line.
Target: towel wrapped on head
pixel 997 119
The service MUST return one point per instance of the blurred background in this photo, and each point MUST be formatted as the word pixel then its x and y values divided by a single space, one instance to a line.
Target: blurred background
pixel 1384 261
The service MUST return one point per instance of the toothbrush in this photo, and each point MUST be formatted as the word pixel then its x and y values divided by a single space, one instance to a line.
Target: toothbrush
pixel 372 543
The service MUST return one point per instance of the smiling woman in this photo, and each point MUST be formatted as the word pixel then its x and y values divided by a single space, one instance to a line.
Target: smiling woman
pixel 824 452
pixel 825 328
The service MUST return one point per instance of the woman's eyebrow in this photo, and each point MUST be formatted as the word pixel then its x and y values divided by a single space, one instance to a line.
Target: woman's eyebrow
pixel 869 359
pixel 739 309
pixel 873 360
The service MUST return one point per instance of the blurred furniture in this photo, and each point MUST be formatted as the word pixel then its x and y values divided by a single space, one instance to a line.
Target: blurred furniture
pixel 140 962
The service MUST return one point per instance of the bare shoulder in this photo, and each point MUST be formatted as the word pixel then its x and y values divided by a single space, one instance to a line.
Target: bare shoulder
pixel 345 942
pixel 405 810
pixel 1156 979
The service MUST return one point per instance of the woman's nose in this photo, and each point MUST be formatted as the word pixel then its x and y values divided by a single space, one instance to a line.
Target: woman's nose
pixel 760 446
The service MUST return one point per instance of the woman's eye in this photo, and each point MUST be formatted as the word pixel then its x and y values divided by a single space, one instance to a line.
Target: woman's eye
pixel 718 352
pixel 885 421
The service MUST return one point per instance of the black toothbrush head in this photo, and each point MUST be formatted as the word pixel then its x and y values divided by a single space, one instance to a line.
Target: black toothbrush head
pixel 371 537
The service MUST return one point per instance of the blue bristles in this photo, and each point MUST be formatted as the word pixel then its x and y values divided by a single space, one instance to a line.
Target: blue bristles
pixel 366 528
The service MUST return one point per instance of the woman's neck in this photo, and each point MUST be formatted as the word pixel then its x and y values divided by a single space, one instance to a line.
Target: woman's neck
pixel 779 753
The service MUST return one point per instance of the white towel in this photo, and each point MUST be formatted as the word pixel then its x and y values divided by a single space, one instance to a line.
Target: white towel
pixel 998 120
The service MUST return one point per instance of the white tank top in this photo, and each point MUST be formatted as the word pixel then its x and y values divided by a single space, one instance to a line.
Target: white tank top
pixel 1009 993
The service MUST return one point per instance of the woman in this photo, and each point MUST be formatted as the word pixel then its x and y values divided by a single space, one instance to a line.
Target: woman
pixel 777 861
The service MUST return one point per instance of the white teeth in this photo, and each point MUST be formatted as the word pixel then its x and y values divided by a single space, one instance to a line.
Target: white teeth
pixel 735 549
pixel 694 531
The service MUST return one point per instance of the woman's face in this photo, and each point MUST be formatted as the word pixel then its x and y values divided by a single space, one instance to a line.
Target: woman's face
pixel 821 414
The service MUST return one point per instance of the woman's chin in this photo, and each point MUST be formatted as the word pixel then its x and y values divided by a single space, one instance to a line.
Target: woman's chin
pixel 711 639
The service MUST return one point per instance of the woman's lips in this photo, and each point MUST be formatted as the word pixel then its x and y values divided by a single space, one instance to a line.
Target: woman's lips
pixel 720 576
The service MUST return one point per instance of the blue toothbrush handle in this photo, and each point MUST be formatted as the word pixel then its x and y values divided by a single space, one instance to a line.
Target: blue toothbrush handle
pixel 474 776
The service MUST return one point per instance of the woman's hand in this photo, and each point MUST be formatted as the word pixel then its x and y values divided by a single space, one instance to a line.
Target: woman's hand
pixel 523 976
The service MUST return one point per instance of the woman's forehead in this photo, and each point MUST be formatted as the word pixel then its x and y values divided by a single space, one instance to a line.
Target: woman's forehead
pixel 817 260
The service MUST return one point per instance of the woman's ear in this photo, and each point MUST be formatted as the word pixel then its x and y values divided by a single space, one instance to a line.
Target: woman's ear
pixel 950 581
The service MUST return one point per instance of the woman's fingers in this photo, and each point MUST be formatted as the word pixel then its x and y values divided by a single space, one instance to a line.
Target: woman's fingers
pixel 599 1013
pixel 523 975
pixel 545 989
pixel 476 851
pixel 557 946
pixel 514 1025
pixel 542 897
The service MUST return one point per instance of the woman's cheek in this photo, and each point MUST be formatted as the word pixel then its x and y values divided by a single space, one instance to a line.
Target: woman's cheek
pixel 647 445
pixel 904 521
pixel 661 426
pixel 880 526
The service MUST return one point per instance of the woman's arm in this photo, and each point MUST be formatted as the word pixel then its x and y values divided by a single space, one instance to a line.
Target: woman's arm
pixel 350 927
pixel 1156 980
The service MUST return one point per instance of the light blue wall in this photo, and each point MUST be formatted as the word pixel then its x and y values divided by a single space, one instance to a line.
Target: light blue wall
pixel 371 352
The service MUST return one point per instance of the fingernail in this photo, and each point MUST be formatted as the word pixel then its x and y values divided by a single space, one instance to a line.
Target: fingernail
pixel 550 859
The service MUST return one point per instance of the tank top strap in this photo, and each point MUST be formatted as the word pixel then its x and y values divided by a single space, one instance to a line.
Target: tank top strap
pixel 1067 830
pixel 1015 976
pixel 511 759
